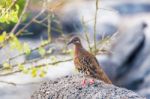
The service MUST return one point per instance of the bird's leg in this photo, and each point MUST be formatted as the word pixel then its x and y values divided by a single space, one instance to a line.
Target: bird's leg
pixel 92 81
pixel 83 82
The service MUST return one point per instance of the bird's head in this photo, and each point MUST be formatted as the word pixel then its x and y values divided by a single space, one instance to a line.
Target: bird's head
pixel 74 40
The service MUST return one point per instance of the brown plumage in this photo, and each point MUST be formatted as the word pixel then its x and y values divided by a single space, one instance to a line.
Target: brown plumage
pixel 87 63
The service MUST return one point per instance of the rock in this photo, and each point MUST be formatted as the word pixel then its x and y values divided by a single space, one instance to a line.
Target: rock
pixel 70 87
pixel 128 66
pixel 132 8
pixel 128 48
pixel 124 51
pixel 144 89
pixel 144 73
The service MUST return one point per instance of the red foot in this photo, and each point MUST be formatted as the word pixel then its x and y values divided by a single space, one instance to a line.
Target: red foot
pixel 83 83
pixel 92 81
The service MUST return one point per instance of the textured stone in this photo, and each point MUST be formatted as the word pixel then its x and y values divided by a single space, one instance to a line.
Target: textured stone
pixel 125 50
pixel 70 87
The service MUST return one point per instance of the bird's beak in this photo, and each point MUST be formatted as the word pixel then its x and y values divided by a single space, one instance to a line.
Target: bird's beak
pixel 69 43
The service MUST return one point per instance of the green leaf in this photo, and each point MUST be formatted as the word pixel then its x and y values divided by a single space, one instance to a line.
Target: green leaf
pixel 21 67
pixel 2 37
pixel 42 74
pixel 67 51
pixel 17 7
pixel 21 4
pixel 11 15
pixel 53 59
pixel 34 72
pixel 15 16
pixel 26 48
pixel 15 43
pixel 6 65
pixel 50 51
pixel 44 42
pixel 42 51
pixel 25 71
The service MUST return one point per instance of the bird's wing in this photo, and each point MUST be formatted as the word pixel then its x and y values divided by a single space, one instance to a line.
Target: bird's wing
pixel 90 63
pixel 101 74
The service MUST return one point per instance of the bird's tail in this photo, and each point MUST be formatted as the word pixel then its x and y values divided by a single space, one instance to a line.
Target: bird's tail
pixel 102 76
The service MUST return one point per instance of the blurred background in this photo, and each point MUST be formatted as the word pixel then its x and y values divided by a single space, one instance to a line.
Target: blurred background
pixel 33 46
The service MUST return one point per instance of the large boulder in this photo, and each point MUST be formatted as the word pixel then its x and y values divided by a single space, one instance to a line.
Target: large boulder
pixel 128 65
pixel 69 87
pixel 126 56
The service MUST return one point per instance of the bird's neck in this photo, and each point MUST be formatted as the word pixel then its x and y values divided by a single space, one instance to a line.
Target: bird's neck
pixel 78 49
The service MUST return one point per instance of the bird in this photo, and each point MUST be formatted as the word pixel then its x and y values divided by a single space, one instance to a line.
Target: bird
pixel 86 63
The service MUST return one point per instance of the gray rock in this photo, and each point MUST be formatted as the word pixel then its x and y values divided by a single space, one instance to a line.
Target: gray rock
pixel 124 51
pixel 132 8
pixel 128 66
pixel 70 87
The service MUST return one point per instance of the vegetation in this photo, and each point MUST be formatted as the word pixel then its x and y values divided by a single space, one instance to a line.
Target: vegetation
pixel 14 12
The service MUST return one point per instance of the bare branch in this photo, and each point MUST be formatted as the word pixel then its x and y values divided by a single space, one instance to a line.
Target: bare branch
pixel 12 4
pixel 49 27
pixel 18 84
pixel 14 57
pixel 86 35
pixel 21 16
pixel 95 21
pixel 28 24
pixel 19 21
pixel 37 66
pixel 11 83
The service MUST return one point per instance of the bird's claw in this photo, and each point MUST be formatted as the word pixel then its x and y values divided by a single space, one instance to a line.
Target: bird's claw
pixel 83 83
pixel 92 81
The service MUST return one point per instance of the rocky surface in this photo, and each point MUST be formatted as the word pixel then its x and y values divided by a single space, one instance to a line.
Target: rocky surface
pixel 70 87
pixel 128 66
pixel 125 51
